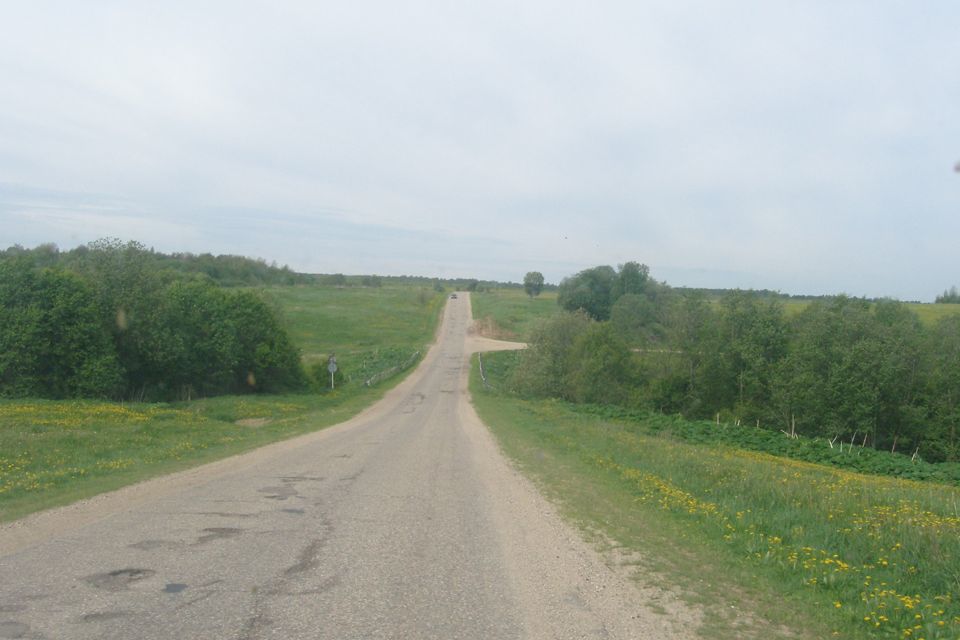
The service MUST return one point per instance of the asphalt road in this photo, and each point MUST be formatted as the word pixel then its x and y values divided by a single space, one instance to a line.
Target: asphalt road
pixel 405 522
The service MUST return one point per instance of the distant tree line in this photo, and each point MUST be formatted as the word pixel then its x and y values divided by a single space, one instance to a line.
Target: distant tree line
pixel 847 368
pixel 226 270
pixel 119 321
pixel 949 296
pixel 438 284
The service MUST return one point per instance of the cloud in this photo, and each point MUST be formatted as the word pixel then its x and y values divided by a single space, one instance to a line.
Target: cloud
pixel 804 146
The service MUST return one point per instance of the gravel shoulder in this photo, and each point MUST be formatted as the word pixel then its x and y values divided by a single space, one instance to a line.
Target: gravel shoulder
pixel 569 588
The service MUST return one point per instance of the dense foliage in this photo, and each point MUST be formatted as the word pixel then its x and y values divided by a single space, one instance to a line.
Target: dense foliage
pixel 107 320
pixel 226 270
pixel 842 368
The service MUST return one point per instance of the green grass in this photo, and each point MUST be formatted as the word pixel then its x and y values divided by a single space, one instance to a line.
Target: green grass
pixel 510 314
pixel 811 549
pixel 794 307
pixel 56 452
pixel 352 320
pixel 928 313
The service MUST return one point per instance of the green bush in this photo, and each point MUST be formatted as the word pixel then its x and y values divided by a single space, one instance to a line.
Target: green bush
pixel 51 338
pixel 501 368
pixel 120 328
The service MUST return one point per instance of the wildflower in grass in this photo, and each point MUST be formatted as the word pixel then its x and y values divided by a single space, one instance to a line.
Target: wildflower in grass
pixel 859 538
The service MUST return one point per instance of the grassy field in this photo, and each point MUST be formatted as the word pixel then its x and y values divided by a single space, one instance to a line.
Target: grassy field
pixel 510 314
pixel 55 452
pixel 931 313
pixel 818 551
pixel 928 313
pixel 353 320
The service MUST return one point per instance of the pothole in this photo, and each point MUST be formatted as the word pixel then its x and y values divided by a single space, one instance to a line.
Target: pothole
pixel 118 580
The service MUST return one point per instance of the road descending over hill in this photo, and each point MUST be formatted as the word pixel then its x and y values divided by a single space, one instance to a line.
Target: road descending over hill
pixel 405 522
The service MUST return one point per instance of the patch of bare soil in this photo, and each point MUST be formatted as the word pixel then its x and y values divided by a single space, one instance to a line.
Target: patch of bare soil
pixel 488 328
pixel 254 422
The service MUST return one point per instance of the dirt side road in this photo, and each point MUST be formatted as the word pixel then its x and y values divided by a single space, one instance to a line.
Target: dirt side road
pixel 405 522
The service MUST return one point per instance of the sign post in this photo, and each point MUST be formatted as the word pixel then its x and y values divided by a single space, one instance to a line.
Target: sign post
pixel 332 368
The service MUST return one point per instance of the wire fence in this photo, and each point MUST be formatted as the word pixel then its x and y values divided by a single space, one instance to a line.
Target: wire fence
pixel 383 375
pixel 483 375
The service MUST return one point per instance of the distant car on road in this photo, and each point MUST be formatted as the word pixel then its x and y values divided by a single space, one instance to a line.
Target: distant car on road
pixel 453 296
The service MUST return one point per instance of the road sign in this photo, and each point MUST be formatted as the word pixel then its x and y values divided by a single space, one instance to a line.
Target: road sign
pixel 332 368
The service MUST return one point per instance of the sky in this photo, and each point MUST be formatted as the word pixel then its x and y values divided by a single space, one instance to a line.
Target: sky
pixel 800 146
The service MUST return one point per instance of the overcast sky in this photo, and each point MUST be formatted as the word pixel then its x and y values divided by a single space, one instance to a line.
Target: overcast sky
pixel 801 146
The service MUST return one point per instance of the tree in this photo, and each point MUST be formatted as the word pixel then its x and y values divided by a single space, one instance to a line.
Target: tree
pixel 128 285
pixel 635 319
pixel 676 384
pixel 533 283
pixel 52 343
pixel 596 290
pixel 632 277
pixel 853 367
pixel 590 290
pixel 942 439
pixel 263 348
pixel 899 374
pixel 123 324
pixel 750 339
pixel 193 346
pixel 600 368
pixel 951 296
pixel 545 366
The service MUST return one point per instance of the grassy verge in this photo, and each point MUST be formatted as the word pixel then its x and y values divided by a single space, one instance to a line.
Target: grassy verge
pixel 806 550
pixel 842 455
pixel 510 314
pixel 56 452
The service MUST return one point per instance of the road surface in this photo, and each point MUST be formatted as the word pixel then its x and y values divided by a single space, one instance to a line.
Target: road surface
pixel 405 522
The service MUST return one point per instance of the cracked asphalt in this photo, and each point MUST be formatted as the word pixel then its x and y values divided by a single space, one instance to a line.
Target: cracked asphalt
pixel 405 522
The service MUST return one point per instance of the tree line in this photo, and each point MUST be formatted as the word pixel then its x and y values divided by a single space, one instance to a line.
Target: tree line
pixel 115 320
pixel 842 368
pixel 226 270
pixel 949 296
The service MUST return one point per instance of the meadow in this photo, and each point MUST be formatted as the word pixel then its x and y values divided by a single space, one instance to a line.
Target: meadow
pixel 56 452
pixel 350 321
pixel 929 313
pixel 509 313
pixel 817 550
